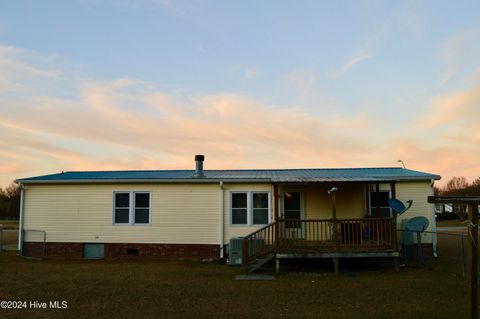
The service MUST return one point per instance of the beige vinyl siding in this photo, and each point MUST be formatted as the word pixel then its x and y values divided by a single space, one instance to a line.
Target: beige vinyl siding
pixel 242 230
pixel 418 192
pixel 350 201
pixel 84 213
pixel 183 213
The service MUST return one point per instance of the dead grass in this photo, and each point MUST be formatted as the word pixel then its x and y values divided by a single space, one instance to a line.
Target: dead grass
pixel 9 237
pixel 159 289
pixel 450 223
pixel 9 224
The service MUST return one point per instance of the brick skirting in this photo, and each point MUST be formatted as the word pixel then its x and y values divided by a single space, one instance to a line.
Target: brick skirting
pixel 123 250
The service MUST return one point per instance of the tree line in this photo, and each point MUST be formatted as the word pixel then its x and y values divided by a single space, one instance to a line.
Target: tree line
pixel 459 186
pixel 10 202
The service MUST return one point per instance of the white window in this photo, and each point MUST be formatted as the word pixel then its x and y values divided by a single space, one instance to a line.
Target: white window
pixel 131 208
pixel 250 208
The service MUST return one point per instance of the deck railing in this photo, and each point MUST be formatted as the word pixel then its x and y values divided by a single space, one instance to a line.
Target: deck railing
pixel 259 243
pixel 319 235
pixel 330 234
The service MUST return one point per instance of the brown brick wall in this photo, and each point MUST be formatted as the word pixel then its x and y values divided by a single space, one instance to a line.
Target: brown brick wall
pixel 114 251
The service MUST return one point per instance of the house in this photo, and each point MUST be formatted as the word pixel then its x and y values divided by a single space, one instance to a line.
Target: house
pixel 193 214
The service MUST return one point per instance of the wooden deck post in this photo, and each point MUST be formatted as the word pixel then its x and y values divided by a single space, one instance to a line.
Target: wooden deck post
pixel 396 260
pixel 377 200
pixel 336 265
pixel 393 190
pixel 276 198
pixel 474 265
pixel 332 192
pixel 334 218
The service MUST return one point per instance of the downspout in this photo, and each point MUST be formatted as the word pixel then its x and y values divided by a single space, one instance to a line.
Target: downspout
pixel 20 222
pixel 434 223
pixel 222 220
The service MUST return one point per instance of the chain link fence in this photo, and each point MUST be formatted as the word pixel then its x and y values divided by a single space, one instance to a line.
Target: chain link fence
pixel 8 236
pixel 452 250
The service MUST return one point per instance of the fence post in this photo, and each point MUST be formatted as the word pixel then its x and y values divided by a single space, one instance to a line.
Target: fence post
pixel 474 265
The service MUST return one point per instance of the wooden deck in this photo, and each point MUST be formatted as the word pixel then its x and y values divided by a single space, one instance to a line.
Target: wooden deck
pixel 326 238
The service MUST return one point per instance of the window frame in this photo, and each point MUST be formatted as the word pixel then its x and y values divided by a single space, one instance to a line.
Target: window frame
pixel 131 208
pixel 232 208
pixel 372 205
pixel 250 208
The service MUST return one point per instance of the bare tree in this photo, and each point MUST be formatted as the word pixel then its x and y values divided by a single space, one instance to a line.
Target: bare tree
pixel 10 201
pixel 455 186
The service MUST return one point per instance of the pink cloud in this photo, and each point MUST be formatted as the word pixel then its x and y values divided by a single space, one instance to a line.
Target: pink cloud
pixel 132 124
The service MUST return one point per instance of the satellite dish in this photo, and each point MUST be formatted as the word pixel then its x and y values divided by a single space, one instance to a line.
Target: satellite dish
pixel 417 224
pixel 398 206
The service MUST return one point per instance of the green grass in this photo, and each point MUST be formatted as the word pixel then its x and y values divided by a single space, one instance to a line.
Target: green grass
pixel 161 289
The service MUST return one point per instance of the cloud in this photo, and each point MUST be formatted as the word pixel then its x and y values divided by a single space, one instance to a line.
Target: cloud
pixel 352 62
pixel 129 123
pixel 448 160
pixel 250 73
pixel 304 81
pixel 132 124
pixel 18 71
pixel 180 7
pixel 458 110
pixel 447 135
pixel 460 51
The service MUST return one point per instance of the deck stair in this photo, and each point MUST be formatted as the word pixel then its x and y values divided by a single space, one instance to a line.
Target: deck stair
pixel 259 262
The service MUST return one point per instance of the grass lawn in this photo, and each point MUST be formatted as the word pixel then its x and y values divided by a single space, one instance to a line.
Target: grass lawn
pixel 169 289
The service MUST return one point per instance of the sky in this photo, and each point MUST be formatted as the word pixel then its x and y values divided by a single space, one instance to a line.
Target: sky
pixel 147 84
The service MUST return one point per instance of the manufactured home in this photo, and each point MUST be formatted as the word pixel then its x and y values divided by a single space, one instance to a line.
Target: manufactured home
pixel 195 214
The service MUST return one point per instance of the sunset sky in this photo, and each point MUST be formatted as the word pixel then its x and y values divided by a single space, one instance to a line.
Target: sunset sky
pixel 147 84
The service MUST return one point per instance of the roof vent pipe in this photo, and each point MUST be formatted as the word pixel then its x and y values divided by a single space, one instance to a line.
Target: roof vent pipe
pixel 199 166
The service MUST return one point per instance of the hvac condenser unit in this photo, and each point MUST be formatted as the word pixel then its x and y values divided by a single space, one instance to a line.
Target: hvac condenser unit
pixel 235 249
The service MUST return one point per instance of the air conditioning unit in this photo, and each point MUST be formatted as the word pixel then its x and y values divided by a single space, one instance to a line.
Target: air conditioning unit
pixel 235 249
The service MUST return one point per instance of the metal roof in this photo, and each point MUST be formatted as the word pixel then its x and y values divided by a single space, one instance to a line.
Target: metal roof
pixel 248 175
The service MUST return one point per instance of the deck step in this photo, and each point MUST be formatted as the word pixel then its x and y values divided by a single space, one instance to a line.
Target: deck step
pixel 260 262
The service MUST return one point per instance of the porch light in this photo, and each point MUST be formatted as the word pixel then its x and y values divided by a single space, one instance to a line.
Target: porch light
pixel 333 189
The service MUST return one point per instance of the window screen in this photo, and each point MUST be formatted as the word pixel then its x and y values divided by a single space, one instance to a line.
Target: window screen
pixel 122 208
pixel 239 208
pixel 260 208
pixel 142 208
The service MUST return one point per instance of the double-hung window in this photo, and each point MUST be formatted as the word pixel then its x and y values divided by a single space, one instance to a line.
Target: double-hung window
pixel 131 208
pixel 239 208
pixel 250 208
